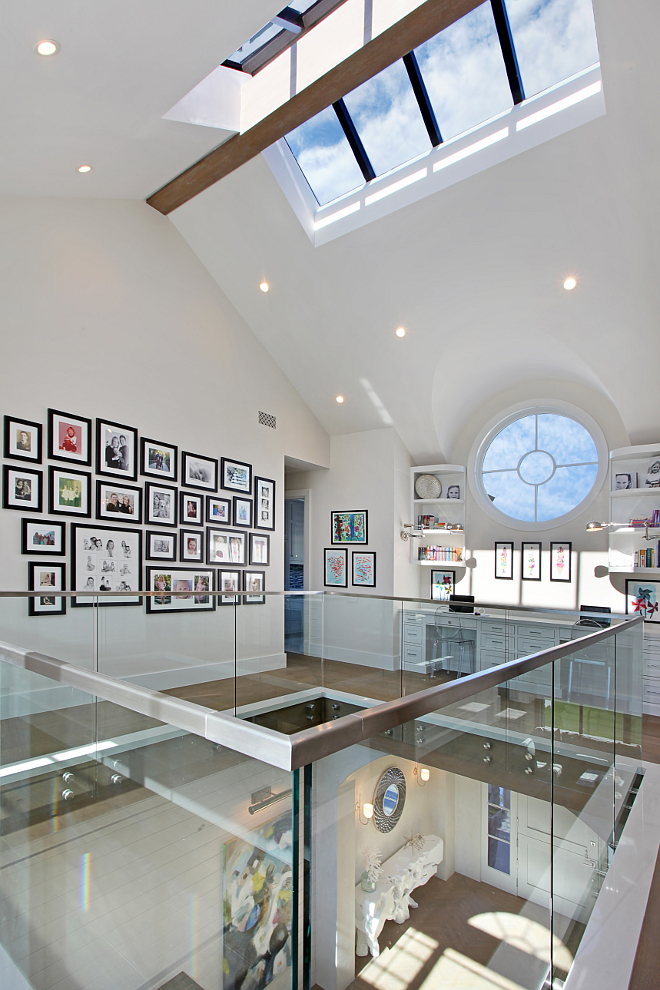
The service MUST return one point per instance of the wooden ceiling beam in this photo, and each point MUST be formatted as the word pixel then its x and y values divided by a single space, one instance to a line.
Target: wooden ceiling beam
pixel 411 31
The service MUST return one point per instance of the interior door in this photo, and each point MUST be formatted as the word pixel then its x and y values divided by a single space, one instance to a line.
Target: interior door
pixel 499 854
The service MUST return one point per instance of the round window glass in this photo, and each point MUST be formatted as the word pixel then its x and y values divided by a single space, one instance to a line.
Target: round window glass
pixel 539 467
pixel 390 800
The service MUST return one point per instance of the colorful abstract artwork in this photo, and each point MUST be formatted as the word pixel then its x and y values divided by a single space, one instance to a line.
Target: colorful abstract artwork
pixel 642 599
pixel 364 568
pixel 349 527
pixel 335 568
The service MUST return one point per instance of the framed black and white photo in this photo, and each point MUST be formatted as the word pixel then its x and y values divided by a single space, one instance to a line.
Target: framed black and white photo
pixel 69 492
pixel 43 536
pixel 264 503
pixel 259 549
pixel 364 568
pixel 49 578
pixel 158 460
pixel 22 488
pixel 255 582
pixel 118 502
pixel 69 438
pixel 242 511
pixel 116 450
pixel 192 509
pixel 160 546
pixel 105 558
pixel 218 510
pixel 199 472
pixel 560 561
pixel 229 581
pixel 530 562
pixel 160 504
pixel 236 476
pixel 22 440
pixel 225 546
pixel 180 589
pixel 504 561
pixel 191 546
pixel 622 480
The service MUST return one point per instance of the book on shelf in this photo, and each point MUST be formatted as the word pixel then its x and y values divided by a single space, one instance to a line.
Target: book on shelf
pixel 430 522
pixel 648 557
pixel 652 521
pixel 446 555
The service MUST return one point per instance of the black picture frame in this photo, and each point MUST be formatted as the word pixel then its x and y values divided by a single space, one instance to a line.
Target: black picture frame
pixel 11 476
pixel 33 526
pixel 645 605
pixel 257 598
pixel 501 544
pixel 198 501
pixel 171 603
pixel 56 507
pixel 150 550
pixel 229 540
pixel 230 470
pixel 363 553
pixel 452 575
pixel 231 598
pixel 122 492
pixel 335 521
pixel 37 606
pixel 105 428
pixel 184 536
pixel 82 427
pixel 264 516
pixel 162 449
pixel 539 547
pixel 17 452
pixel 253 556
pixel 335 551
pixel 196 464
pixel 218 510
pixel 554 569
pixel 152 509
pixel 126 554
pixel 239 501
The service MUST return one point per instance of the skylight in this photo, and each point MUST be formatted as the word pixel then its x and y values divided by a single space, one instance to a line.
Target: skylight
pixel 279 34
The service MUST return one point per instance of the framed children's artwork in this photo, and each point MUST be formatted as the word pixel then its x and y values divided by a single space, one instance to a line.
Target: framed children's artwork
pixel 116 501
pixel 335 568
pixel 442 585
pixel 264 503
pixel 69 438
pixel 199 472
pixel 242 511
pixel 180 589
pixel 652 479
pixel 504 561
pixel 158 460
pixel 218 510
pixel 160 546
pixel 161 504
pixel 191 546
pixel 259 549
pixel 642 599
pixel 560 562
pixel 348 527
pixel 116 450
pixel 22 488
pixel 236 476
pixel 228 581
pixel 192 509
pixel 254 581
pixel 69 492
pixel 622 480
pixel 530 562
pixel 225 546
pixel 364 568
pixel 47 578
pixel 22 440
pixel 453 491
pixel 106 558
pixel 43 536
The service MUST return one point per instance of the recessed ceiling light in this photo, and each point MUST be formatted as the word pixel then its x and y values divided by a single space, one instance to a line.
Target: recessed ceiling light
pixel 84 168
pixel 400 331
pixel 264 286
pixel 47 47
pixel 570 283
pixel 339 399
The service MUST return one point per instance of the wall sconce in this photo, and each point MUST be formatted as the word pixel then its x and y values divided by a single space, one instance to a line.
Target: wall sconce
pixel 409 532
pixel 367 809
pixel 422 774
pixel 597 527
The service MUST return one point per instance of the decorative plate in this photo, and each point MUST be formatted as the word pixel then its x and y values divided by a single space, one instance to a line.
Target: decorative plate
pixel 428 486
pixel 389 799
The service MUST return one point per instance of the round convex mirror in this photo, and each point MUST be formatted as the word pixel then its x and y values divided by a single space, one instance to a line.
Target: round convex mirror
pixel 389 799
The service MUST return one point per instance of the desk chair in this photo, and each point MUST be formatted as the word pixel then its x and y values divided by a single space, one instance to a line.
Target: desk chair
pixel 579 665
pixel 458 638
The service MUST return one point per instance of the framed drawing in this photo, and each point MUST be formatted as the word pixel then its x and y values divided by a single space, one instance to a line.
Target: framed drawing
pixel 259 549
pixel 228 581
pixel 236 476
pixel 116 501
pixel 105 558
pixel 43 536
pixel 158 460
pixel 22 440
pixel 224 546
pixel 264 503
pixel 348 527
pixel 160 504
pixel 442 585
pixel 622 480
pixel 254 581
pixel 504 561
pixel 242 511
pixel 652 478
pixel 180 589
pixel 335 567
pixel 48 578
pixel 364 568
pixel 69 492
pixel 191 509
pixel 453 491
pixel 69 438
pixel 530 569
pixel 560 562
pixel 116 450
pixel 199 472
pixel 191 546
pixel 642 599
pixel 160 546
pixel 218 510
pixel 22 488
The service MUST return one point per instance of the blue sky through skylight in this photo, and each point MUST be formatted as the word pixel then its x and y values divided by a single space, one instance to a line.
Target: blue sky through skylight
pixel 325 156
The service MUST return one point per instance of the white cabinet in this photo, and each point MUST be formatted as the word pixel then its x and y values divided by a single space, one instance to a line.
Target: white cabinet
pixel 440 517
pixel 634 498
pixel 651 672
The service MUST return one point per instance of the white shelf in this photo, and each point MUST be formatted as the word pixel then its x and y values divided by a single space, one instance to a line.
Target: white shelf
pixel 448 510
pixel 634 570
pixel 442 563
pixel 437 501
pixel 635 492
pixel 443 532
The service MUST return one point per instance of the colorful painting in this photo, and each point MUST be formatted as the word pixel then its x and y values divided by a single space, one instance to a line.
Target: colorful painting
pixel 504 561
pixel 258 906
pixel 531 562
pixel 364 568
pixel 442 585
pixel 349 527
pixel 560 561
pixel 336 564
pixel 642 599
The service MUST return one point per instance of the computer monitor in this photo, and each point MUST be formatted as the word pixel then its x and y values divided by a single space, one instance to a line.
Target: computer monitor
pixel 603 623
pixel 461 608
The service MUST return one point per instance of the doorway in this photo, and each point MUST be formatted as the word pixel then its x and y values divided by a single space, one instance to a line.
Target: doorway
pixel 295 577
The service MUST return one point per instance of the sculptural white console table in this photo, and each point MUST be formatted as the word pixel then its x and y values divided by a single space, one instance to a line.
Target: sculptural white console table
pixel 391 900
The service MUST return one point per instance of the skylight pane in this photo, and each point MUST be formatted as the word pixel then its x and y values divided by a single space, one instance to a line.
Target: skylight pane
pixel 301 6
pixel 388 119
pixel 464 73
pixel 325 157
pixel 553 39
pixel 257 41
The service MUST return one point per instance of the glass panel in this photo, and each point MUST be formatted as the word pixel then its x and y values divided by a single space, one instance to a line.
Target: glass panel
pixel 257 41
pixel 325 157
pixel 499 823
pixel 464 73
pixel 499 797
pixel 438 644
pixel 499 856
pixel 387 118
pixel 300 6
pixel 553 39
pixel 69 636
pixel 510 494
pixel 565 490
pixel 510 444
pixel 566 440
